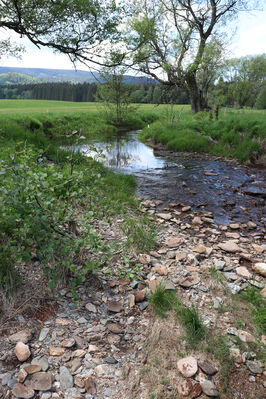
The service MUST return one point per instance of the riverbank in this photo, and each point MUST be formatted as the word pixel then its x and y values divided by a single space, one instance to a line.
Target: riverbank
pixel 237 135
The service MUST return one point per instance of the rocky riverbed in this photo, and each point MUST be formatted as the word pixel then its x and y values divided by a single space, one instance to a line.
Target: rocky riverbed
pixel 110 345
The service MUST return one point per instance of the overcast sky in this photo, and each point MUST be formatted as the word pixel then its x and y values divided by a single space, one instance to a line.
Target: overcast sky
pixel 250 39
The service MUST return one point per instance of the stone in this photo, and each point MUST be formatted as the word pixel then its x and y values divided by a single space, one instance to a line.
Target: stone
pixel 114 306
pixel 131 300
pixel 260 268
pixel 41 361
pixel 139 296
pixel 124 281
pixel 21 336
pixel 22 351
pixel 197 220
pixel 219 264
pixel 153 284
pixel 91 308
pixel 75 365
pixel 161 270
pixel 43 334
pixel 143 305
pixel 234 288
pixel 232 235
pixel 56 351
pixel 245 336
pixel 234 226
pixel 40 381
pixel 5 378
pixel 90 385
pixel 46 395
pixel 189 281
pixel 65 378
pixel 72 393
pixel 209 388
pixel 217 302
pixel 62 322
pixel 263 292
pixel 243 272
pixel 79 381
pixel 115 328
pixel 229 246
pixel 179 256
pixel 33 368
pixel 186 208
pixel 173 241
pixel 254 367
pixel 79 353
pixel 200 249
pixel 187 366
pixel 165 216
pixel 20 391
pixel 144 259
pixel 251 225
pixel 258 248
pixel 103 369
pixel 207 367
pixel 22 375
pixel 68 343
pixel 184 388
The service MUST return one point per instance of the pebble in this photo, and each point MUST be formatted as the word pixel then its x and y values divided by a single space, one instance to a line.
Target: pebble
pixel 209 388
pixel 187 366
pixel 22 351
pixel 260 268
pixel 254 367
pixel 21 336
pixel 43 334
pixel 229 246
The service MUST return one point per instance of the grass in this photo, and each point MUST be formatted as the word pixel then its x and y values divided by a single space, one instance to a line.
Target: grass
pixel 257 305
pixel 239 135
pixel 141 234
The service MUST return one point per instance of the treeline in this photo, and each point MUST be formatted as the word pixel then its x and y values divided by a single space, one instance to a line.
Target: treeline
pixel 87 92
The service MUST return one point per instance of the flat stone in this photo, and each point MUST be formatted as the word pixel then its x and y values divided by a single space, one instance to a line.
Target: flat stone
pixel 165 216
pixel 21 336
pixel 20 391
pixel 65 378
pixel 234 226
pixel 5 378
pixel 56 351
pixel 68 343
pixel 72 393
pixel 258 248
pixel 189 281
pixel 173 241
pixel 43 334
pixel 91 308
pixel 184 388
pixel 229 246
pixel 232 235
pixel 245 336
pixel 131 300
pixel 180 256
pixel 41 361
pixel 161 270
pixel 40 381
pixel 254 367
pixel 187 366
pixel 139 295
pixel 144 259
pixel 207 367
pixel 251 225
pixel 200 249
pixel 197 220
pixel 22 375
pixel 79 353
pixel 22 351
pixel 103 369
pixel 115 328
pixel 219 264
pixel 186 208
pixel 153 284
pixel 260 268
pixel 33 368
pixel 242 271
pixel 209 388
pixel 90 386
pixel 75 365
pixel 62 322
pixel 114 306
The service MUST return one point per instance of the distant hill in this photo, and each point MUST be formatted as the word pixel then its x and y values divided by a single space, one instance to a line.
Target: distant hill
pixel 8 75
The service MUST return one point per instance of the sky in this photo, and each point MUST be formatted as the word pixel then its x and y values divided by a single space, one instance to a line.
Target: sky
pixel 249 39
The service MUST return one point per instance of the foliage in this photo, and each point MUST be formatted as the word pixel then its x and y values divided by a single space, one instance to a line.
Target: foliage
pixel 162 300
pixel 170 39
pixel 75 28
pixel 258 304
pixel 141 233
pixel 261 99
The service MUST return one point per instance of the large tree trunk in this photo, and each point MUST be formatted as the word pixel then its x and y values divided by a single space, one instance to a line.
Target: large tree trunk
pixel 199 102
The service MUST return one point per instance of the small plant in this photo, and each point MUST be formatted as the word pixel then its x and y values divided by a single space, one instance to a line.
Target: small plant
pixel 162 300
pixel 216 275
pixel 141 233
pixel 192 323
pixel 253 296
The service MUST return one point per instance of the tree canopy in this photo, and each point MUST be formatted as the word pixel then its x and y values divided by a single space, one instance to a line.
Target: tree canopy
pixel 169 39
pixel 77 28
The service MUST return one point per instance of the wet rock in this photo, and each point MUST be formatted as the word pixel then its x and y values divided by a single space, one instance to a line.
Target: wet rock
pixel 242 271
pixel 21 336
pixel 41 361
pixel 173 241
pixel 209 388
pixel 40 381
pixel 260 268
pixel 189 281
pixel 115 328
pixel 65 378
pixel 22 351
pixel 229 246
pixel 254 367
pixel 207 367
pixel 20 391
pixel 187 366
pixel 114 306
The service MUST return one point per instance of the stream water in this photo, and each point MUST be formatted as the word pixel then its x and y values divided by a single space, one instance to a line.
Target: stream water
pixel 232 192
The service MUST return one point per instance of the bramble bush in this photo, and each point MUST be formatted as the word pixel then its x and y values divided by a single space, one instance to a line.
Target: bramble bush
pixel 45 213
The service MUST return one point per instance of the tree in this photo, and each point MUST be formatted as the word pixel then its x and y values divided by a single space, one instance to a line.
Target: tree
pixel 169 38
pixel 114 93
pixel 77 28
